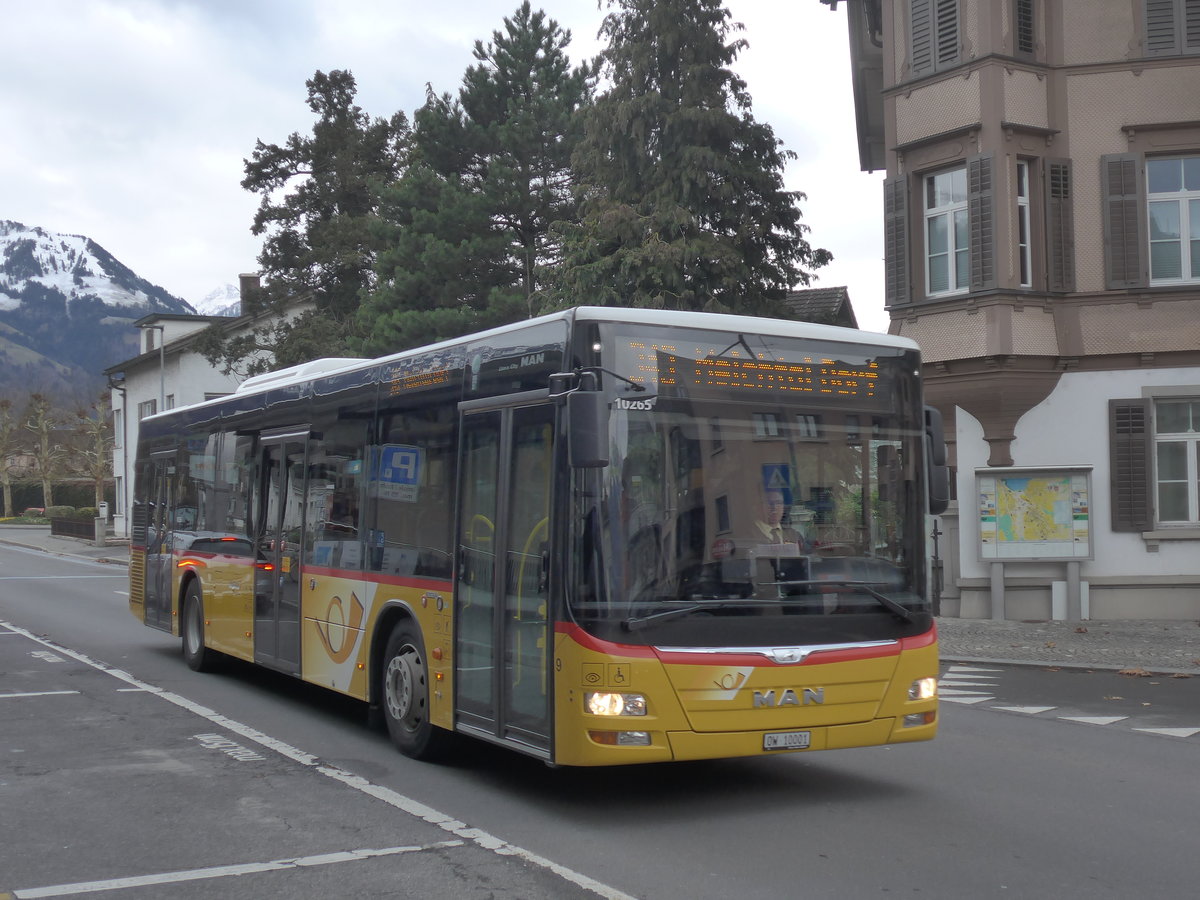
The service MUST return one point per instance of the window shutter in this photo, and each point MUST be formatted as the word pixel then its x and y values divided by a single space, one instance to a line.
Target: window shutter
pixel 946 32
pixel 895 241
pixel 1130 444
pixel 981 221
pixel 1162 33
pixel 1120 183
pixel 921 46
pixel 1024 43
pixel 1191 26
pixel 1060 227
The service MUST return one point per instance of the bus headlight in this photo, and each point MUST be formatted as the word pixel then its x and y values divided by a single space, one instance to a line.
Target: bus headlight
pixel 923 689
pixel 604 703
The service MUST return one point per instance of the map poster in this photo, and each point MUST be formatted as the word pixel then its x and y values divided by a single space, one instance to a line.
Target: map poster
pixel 1031 514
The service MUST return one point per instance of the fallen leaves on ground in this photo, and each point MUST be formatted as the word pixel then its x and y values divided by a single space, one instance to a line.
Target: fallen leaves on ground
pixel 1181 675
pixel 1081 630
pixel 1137 672
pixel 1051 644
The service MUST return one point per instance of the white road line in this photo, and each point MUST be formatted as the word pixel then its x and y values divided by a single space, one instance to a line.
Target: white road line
pixel 115 884
pixel 971 669
pixel 392 798
pixel 36 694
pixel 1094 720
pixel 1028 710
pixel 59 577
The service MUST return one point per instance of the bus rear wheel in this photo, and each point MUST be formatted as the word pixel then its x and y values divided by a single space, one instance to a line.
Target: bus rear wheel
pixel 198 657
pixel 405 696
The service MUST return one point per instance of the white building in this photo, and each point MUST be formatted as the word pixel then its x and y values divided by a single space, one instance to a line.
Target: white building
pixel 167 373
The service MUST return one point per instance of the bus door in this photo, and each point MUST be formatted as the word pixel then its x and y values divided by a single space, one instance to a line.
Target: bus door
pixel 160 482
pixel 279 526
pixel 502 636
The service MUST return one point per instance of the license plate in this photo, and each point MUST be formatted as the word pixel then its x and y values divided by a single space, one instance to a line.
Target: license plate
pixel 787 740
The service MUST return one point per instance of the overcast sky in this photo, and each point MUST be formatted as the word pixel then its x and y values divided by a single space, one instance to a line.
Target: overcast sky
pixel 128 121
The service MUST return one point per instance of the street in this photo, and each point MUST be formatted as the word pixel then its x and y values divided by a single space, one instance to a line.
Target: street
pixel 120 763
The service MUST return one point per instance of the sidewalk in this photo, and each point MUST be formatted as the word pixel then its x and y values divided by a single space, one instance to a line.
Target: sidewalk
pixel 1154 646
pixel 38 537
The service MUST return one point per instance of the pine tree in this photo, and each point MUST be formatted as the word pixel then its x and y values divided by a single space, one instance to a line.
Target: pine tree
pixel 317 199
pixel 681 190
pixel 468 225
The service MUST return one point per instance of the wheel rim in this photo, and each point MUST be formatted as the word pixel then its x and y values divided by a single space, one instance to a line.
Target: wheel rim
pixel 192 624
pixel 404 687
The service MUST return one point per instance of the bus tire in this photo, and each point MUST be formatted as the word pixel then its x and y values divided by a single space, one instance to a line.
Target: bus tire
pixel 405 696
pixel 198 657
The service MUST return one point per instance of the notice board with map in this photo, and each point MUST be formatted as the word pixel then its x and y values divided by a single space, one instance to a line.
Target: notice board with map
pixel 1034 514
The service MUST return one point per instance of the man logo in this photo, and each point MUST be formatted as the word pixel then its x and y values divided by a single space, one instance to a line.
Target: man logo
pixel 789 698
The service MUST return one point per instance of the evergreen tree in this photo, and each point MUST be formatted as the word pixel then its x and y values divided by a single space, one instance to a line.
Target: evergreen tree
pixel 468 225
pixel 681 190
pixel 317 198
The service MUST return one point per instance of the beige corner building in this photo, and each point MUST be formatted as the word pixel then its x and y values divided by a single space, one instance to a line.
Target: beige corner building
pixel 1042 231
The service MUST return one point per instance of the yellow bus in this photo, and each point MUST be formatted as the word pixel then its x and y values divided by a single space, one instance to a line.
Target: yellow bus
pixel 599 537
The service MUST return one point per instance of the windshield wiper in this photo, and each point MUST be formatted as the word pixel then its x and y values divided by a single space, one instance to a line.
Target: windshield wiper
pixel 634 623
pixel 865 586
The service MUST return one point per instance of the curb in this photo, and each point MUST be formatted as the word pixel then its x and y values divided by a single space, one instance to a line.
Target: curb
pixel 1058 664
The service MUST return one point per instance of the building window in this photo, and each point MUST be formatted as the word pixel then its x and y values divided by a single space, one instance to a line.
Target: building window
pixel 170 401
pixel 722 507
pixel 1173 195
pixel 947 265
pixel 1024 42
pixel 118 429
pixel 1024 259
pixel 1177 460
pixel 934 38
pixel 147 408
pixel 766 425
pixel 1172 27
pixel 808 426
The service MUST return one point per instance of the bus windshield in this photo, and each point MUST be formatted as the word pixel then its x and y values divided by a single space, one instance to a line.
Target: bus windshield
pixel 760 491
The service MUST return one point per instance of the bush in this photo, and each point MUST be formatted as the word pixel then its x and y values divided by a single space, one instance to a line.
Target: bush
pixel 87 513
pixel 60 512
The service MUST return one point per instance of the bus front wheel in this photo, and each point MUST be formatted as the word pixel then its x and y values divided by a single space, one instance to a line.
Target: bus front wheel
pixel 198 657
pixel 406 696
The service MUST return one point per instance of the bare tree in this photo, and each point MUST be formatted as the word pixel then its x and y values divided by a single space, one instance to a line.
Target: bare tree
pixel 9 447
pixel 93 453
pixel 42 422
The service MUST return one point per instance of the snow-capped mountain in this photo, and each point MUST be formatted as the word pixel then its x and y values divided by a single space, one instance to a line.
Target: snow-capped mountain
pixel 224 301
pixel 66 310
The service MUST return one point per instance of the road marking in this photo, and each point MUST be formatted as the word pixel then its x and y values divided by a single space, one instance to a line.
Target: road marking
pixel 1028 710
pixel 1171 732
pixel 967 701
pixel 405 804
pixel 956 684
pixel 1094 720
pixel 37 694
pixel 324 859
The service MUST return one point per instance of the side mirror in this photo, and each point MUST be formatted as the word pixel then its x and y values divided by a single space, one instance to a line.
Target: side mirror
pixel 936 469
pixel 587 429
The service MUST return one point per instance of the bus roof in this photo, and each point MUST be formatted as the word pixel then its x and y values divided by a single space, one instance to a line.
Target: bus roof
pixel 304 372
